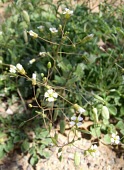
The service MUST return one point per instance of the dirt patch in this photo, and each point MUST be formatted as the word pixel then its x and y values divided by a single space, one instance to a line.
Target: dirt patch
pixel 106 160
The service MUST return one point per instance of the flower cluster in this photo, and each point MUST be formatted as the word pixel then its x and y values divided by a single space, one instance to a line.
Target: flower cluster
pixel 115 139
pixel 76 121
pixel 53 30
pixel 51 95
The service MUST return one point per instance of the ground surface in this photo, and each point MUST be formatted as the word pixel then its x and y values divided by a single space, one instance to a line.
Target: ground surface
pixel 107 159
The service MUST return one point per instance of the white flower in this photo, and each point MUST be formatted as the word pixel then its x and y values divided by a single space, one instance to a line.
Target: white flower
pixel 40 27
pixel 12 69
pixel 76 121
pixel 93 147
pixel 34 79
pixel 115 139
pixel 53 30
pixel 1 61
pixel 20 69
pixel 68 12
pixel 32 61
pixel 33 34
pixel 93 151
pixel 78 108
pixel 51 95
pixel 1 32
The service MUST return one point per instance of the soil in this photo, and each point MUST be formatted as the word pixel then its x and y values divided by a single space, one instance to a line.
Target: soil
pixel 107 159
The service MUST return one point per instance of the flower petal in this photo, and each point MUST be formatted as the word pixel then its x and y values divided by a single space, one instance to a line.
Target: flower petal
pixel 113 135
pixel 73 118
pixel 55 94
pixel 79 124
pixel 80 118
pixel 50 99
pixel 46 94
pixel 72 123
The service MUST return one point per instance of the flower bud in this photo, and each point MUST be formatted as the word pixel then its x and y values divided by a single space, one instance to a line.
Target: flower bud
pixel 32 61
pixel 34 79
pixel 33 34
pixel 78 108
pixel 42 75
pixel 44 79
pixel 49 65
pixel 60 26
pixel 30 105
pixel 25 36
pixel 20 69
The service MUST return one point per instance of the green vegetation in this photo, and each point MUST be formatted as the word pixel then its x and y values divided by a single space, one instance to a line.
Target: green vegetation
pixel 69 63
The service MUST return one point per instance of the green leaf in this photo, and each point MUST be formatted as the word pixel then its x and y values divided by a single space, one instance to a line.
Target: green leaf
pixel 43 134
pixel 34 160
pixel 54 140
pixel 85 131
pixel 120 125
pixel 32 150
pixel 112 110
pixel 107 139
pixel 96 132
pixel 45 154
pixel 46 141
pixel 62 126
pixel 60 80
pixel 122 111
pixel 122 131
pixel 25 146
pixel 77 158
pixel 80 70
pixel 55 115
pixel 105 121
pixel 105 112
pixel 2 153
pixel 9 146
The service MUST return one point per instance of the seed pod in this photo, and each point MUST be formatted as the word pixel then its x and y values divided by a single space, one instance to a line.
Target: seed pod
pixel 95 114
pixel 25 36
pixel 26 16
pixel 105 112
